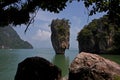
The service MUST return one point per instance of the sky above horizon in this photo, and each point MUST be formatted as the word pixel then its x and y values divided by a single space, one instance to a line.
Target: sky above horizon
pixel 38 33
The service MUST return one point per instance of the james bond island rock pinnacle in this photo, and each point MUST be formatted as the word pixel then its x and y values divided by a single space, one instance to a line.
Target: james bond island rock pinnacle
pixel 60 29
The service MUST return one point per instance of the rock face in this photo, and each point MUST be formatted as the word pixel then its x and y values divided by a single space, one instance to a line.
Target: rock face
pixel 87 66
pixel 37 68
pixel 9 39
pixel 100 36
pixel 60 35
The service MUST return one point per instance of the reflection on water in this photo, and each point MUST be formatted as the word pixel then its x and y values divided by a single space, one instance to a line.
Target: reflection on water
pixel 62 62
pixel 9 60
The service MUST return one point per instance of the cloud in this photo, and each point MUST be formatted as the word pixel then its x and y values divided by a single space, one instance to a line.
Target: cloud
pixel 42 35
pixel 44 26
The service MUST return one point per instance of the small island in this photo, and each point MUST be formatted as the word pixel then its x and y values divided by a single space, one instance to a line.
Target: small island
pixel 60 29
pixel 9 39
pixel 100 36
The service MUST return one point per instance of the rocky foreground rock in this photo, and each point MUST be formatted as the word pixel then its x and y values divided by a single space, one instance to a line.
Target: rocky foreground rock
pixel 87 66
pixel 37 68
pixel 60 29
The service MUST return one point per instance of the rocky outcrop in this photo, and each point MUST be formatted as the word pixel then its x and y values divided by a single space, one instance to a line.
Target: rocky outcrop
pixel 87 66
pixel 99 36
pixel 9 39
pixel 60 35
pixel 37 68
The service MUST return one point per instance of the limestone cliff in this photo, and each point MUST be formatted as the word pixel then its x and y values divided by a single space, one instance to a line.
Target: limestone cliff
pixel 99 36
pixel 60 29
pixel 9 39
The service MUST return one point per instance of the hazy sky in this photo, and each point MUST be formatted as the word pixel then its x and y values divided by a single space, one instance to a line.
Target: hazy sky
pixel 39 32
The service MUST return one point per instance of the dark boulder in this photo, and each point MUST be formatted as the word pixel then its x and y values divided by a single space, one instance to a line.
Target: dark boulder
pixel 87 66
pixel 37 68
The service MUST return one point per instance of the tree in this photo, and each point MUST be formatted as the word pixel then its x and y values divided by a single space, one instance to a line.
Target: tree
pixel 111 7
pixel 17 12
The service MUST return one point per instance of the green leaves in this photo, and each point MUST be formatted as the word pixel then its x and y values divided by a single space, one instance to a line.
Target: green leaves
pixel 24 8
pixel 19 12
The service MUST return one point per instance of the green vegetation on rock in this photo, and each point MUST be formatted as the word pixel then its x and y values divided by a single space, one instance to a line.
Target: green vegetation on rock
pixel 100 36
pixel 116 77
pixel 60 29
pixel 9 39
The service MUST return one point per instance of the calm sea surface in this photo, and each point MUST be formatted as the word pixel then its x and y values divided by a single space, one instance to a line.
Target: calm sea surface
pixel 9 60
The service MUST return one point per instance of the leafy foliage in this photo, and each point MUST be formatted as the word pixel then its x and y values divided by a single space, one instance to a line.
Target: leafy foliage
pixel 60 28
pixel 111 7
pixel 17 12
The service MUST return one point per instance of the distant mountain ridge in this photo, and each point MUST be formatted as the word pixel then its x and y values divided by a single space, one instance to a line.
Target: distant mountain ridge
pixel 9 39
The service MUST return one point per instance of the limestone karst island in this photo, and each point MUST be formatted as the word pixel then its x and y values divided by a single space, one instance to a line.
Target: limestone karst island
pixel 60 36
pixel 9 39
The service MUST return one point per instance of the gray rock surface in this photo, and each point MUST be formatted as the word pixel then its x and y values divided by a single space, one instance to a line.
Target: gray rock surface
pixel 87 66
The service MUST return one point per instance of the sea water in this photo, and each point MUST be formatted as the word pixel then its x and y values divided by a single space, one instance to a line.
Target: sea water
pixel 9 59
